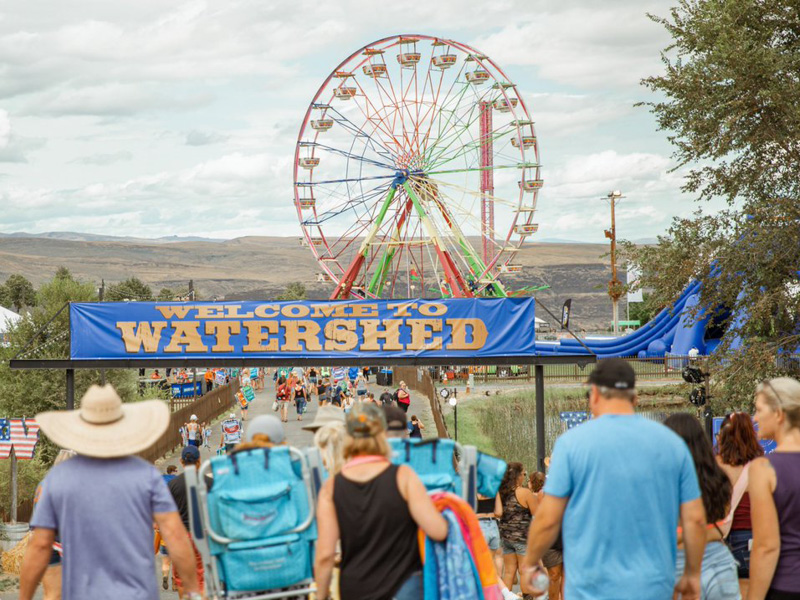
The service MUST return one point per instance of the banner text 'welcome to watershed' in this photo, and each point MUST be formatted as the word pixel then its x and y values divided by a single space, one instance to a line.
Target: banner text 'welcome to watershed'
pixel 293 328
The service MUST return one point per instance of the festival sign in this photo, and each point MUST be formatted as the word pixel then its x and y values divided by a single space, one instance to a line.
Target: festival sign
pixel 249 393
pixel 469 327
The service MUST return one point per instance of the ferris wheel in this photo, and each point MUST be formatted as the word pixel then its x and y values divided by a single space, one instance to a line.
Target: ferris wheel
pixel 417 172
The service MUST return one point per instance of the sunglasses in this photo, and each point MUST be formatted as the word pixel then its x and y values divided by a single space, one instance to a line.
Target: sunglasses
pixel 768 383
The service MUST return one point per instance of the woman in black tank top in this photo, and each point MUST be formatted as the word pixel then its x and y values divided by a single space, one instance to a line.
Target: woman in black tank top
pixel 375 509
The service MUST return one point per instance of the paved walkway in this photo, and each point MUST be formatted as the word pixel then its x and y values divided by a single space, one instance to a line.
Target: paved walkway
pixel 294 434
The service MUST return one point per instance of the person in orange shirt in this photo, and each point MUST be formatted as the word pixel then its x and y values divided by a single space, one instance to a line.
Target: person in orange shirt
pixel 210 375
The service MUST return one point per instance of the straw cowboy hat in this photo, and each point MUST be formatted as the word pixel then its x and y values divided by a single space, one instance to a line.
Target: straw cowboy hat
pixel 325 414
pixel 104 427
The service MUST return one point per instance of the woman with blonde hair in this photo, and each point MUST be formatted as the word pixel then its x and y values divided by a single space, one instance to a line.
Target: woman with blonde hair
pixel 376 509
pixel 329 439
pixel 774 489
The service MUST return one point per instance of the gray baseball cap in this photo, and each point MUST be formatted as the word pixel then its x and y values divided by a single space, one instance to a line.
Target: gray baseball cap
pixel 268 425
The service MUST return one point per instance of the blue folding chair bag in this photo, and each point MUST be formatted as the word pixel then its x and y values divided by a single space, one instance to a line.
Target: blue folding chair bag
pixel 255 566
pixel 257 514
pixel 432 460
pixel 247 504
pixel 490 474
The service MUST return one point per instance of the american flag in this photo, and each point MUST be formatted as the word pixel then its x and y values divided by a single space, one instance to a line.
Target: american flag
pixel 338 374
pixel 22 434
pixel 571 419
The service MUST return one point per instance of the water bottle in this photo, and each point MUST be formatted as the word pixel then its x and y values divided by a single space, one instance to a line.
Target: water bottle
pixel 538 580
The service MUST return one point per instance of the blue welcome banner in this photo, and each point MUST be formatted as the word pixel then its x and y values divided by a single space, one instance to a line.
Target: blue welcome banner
pixel 474 327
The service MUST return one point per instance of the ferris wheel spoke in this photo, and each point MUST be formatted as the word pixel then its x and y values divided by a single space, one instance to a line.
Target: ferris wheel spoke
pixel 377 119
pixel 448 98
pixel 396 105
pixel 463 149
pixel 352 272
pixel 473 169
pixel 430 115
pixel 472 261
pixel 349 205
pixel 464 123
pixel 444 126
pixel 476 194
pixel 352 156
pixel 480 269
pixel 344 180
pixel 456 281
pixel 357 131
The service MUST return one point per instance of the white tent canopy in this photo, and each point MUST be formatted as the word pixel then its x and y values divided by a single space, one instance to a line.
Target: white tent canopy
pixel 7 318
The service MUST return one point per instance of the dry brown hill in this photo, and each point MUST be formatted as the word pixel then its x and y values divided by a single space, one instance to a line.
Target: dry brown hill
pixel 260 267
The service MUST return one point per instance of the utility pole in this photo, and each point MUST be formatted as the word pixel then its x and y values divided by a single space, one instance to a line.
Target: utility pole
pixel 614 285
pixel 100 294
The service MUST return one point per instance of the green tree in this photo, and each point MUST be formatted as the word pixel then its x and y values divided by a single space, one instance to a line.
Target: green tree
pixel 63 273
pixel 28 392
pixel 643 311
pixel 132 289
pixel 166 295
pixel 18 292
pixel 728 99
pixel 294 291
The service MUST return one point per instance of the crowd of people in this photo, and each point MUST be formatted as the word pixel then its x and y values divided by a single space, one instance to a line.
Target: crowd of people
pixel 628 509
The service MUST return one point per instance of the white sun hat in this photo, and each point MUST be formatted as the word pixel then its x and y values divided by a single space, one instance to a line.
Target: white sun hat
pixel 104 427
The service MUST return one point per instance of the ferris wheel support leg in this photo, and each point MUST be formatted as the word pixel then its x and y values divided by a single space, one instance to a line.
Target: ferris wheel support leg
pixel 379 278
pixel 457 284
pixel 342 291
pixel 472 258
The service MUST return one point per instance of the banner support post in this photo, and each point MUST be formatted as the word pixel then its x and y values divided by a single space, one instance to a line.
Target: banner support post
pixel 540 445
pixel 13 457
pixel 70 389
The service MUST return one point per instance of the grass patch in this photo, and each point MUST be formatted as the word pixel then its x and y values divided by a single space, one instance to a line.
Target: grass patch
pixel 505 424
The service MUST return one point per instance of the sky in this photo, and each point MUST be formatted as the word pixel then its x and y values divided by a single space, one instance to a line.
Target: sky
pixel 154 118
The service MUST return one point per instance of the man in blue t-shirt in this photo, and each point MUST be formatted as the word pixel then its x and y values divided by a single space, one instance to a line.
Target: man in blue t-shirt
pixel 103 503
pixel 618 487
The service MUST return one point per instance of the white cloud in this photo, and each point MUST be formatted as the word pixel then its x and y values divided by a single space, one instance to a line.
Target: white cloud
pixel 192 108
pixel 591 45
pixel 204 138
pixel 559 115
pixel 5 128
pixel 105 159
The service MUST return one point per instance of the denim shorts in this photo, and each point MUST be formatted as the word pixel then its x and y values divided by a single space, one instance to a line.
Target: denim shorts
pixel 718 578
pixel 739 541
pixel 510 547
pixel 490 533
pixel 411 589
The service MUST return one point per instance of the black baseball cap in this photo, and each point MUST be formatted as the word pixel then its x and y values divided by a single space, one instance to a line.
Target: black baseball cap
pixel 395 419
pixel 614 374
